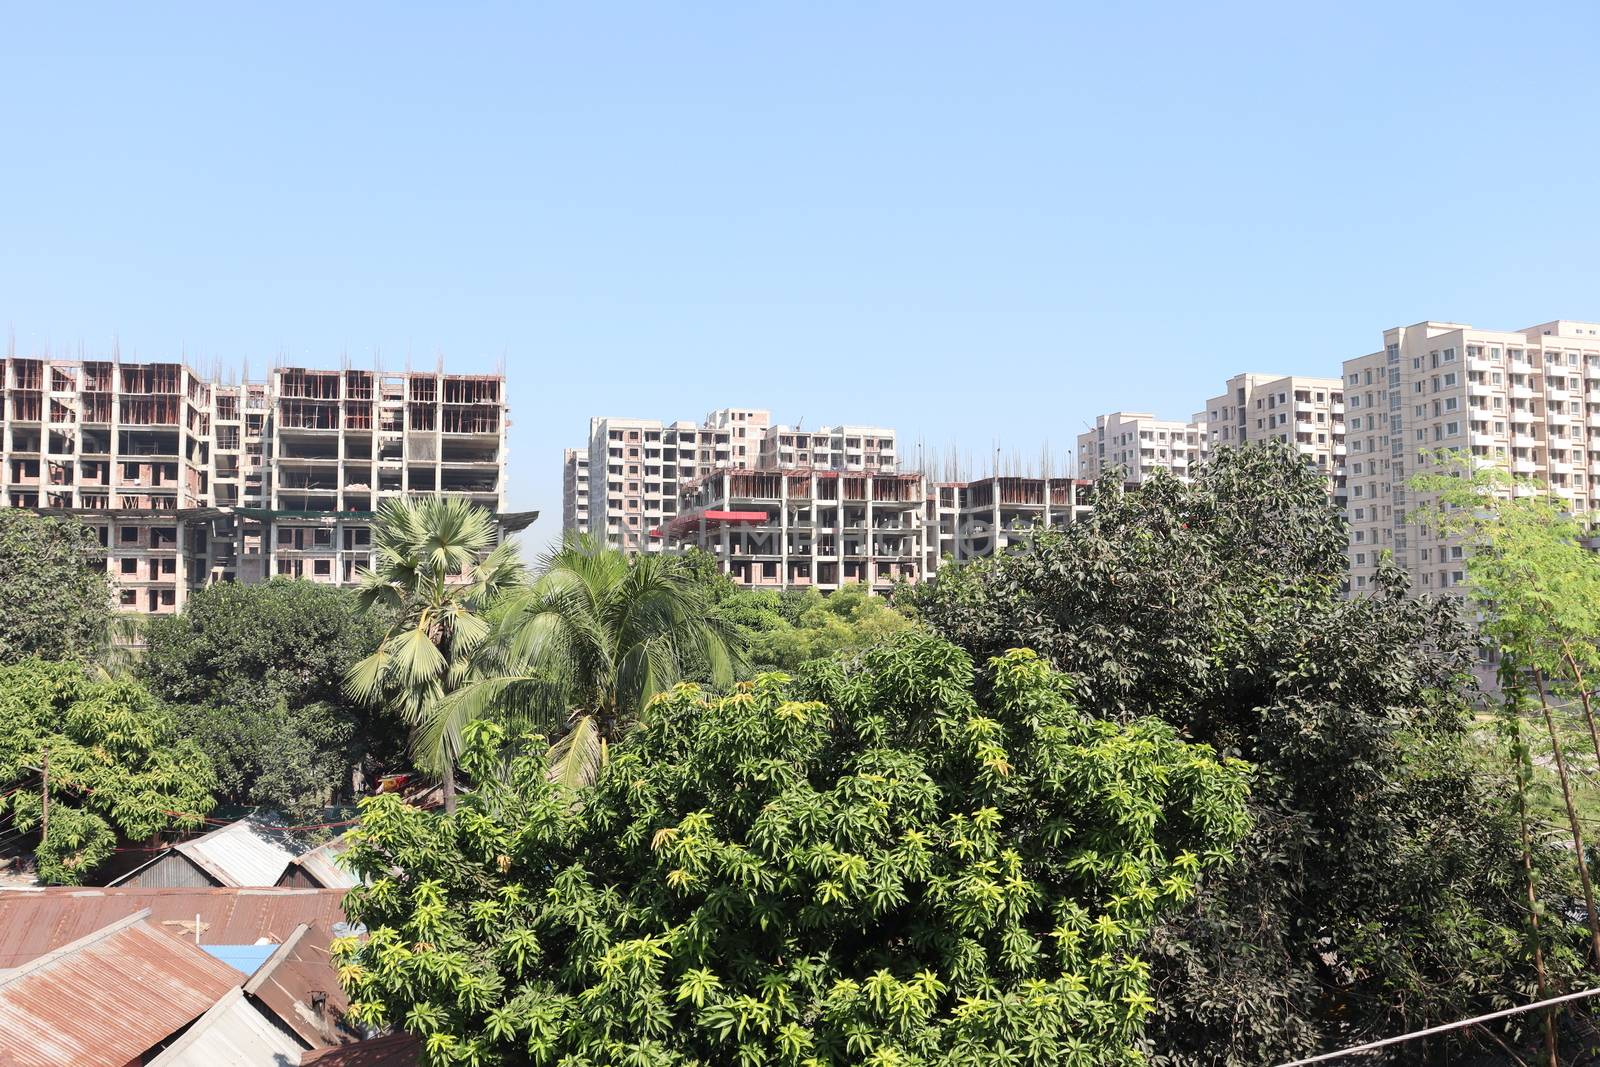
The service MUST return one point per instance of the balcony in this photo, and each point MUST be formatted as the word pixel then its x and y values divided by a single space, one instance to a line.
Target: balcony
pixel 1521 392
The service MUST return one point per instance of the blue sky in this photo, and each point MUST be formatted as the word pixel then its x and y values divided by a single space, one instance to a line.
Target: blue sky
pixel 971 222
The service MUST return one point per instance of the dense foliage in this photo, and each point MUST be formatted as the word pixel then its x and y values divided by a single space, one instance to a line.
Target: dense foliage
pixel 870 865
pixel 1381 886
pixel 788 628
pixel 257 671
pixel 581 650
pixel 58 601
pixel 117 765
pixel 437 572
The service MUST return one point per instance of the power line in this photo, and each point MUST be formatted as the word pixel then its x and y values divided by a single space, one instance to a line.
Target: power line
pixel 1372 1046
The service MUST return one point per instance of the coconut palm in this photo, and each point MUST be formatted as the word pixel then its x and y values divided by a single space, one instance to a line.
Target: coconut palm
pixel 581 650
pixel 437 571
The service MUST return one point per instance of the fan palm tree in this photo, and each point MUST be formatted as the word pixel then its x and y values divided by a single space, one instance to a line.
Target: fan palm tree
pixel 438 571
pixel 581 650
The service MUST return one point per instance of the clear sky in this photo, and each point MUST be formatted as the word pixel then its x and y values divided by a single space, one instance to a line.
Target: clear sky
pixel 973 222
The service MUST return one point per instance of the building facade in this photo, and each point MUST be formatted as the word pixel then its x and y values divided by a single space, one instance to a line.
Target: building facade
pixel 1139 444
pixel 970 520
pixel 189 481
pixel 801 527
pixel 575 490
pixel 648 465
pixel 1306 412
pixel 1528 400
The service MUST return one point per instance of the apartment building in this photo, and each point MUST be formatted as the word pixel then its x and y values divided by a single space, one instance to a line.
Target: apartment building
pixel 648 464
pixel 1307 412
pixel 1139 444
pixel 969 520
pixel 575 490
pixel 800 527
pixel 189 480
pixel 1528 399
pixel 834 448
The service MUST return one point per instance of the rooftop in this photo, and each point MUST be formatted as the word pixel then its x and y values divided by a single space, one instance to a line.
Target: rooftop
pixel 107 998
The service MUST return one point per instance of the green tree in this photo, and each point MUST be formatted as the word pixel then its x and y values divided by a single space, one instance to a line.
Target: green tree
pixel 582 650
pixel 866 866
pixel 438 572
pixel 1384 861
pixel 849 620
pixel 58 602
pixel 1537 587
pixel 116 762
pixel 259 668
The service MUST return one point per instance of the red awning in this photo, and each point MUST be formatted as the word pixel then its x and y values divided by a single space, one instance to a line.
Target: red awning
pixel 735 516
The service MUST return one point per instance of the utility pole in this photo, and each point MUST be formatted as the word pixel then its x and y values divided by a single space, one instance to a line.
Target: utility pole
pixel 44 804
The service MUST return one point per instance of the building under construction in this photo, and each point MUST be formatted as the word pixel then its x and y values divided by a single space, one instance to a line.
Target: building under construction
pixel 802 527
pixel 189 480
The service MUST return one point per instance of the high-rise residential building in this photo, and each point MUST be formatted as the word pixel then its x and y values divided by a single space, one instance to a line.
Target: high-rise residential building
pixel 1307 412
pixel 189 480
pixel 1139 444
pixel 575 490
pixel 1528 399
pixel 640 469
pixel 833 448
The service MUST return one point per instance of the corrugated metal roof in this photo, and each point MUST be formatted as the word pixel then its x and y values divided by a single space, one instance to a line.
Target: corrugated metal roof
pixel 396 1050
pixel 249 852
pixel 234 1033
pixel 106 999
pixel 299 984
pixel 34 921
pixel 321 865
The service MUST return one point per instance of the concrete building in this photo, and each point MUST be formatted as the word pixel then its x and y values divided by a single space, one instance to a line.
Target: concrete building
pixel 1140 444
pixel 802 527
pixel 189 481
pixel 1528 399
pixel 649 464
pixel 969 520
pixel 575 490
pixel 1307 412
pixel 832 448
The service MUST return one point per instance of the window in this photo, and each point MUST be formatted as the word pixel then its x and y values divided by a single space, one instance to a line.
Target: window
pixel 128 535
pixel 129 565
pixel 322 566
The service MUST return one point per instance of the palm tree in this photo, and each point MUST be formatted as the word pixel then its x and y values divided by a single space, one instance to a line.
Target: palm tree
pixel 438 571
pixel 581 651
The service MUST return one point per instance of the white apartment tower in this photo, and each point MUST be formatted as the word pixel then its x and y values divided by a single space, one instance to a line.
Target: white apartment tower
pixel 575 490
pixel 638 471
pixel 1140 444
pixel 1528 399
pixel 1307 412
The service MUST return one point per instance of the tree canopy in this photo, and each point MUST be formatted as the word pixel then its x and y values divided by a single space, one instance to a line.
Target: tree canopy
pixel 438 572
pixel 58 601
pixel 583 648
pixel 869 864
pixel 256 671
pixel 117 765
pixel 1383 863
